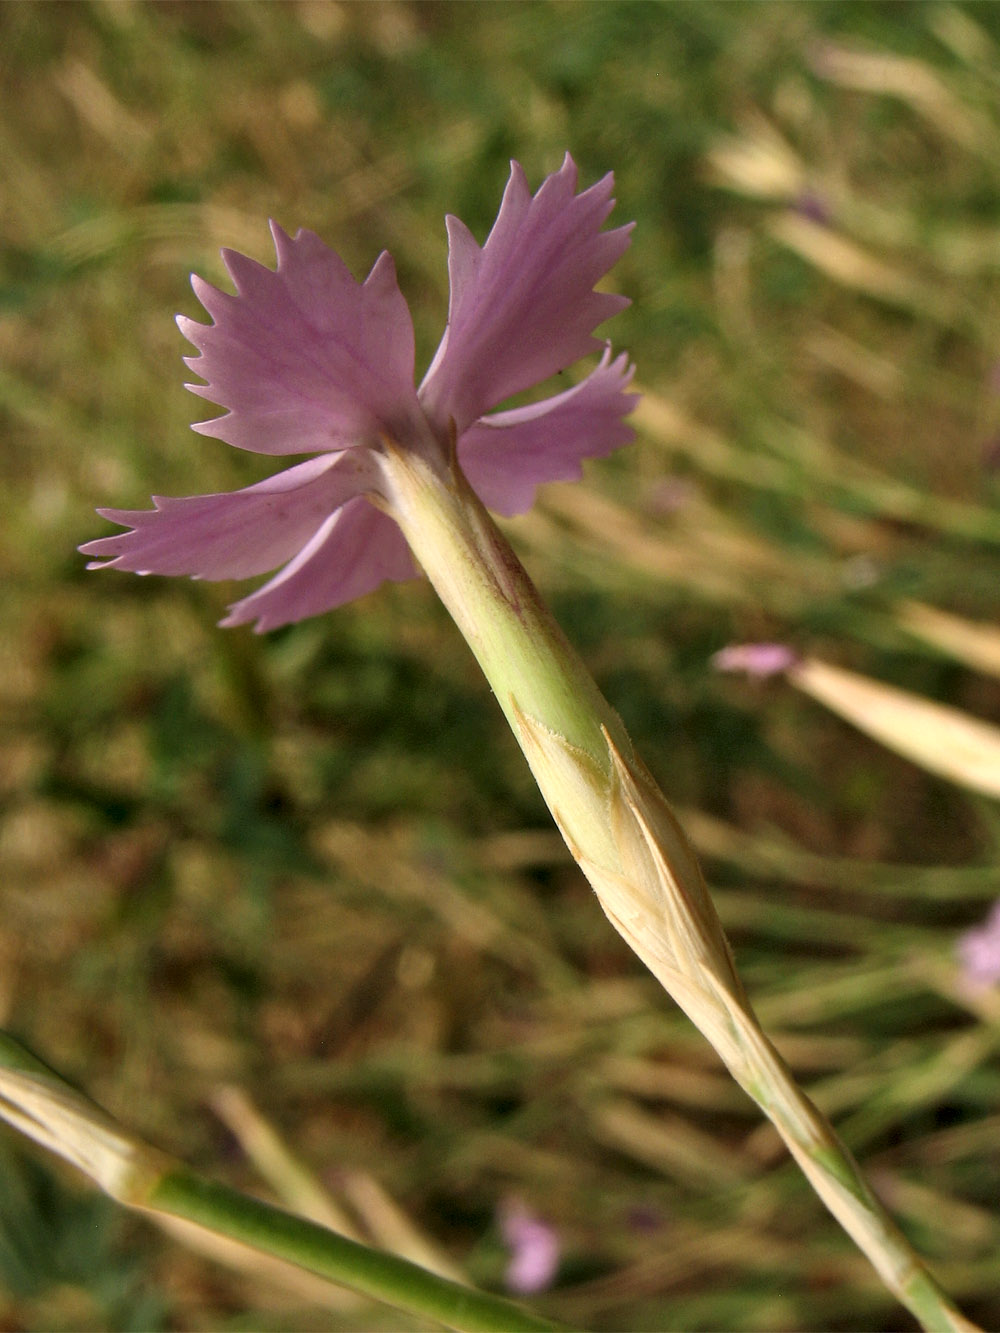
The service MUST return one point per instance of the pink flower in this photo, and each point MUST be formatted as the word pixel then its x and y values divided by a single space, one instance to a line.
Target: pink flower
pixel 307 360
pixel 756 659
pixel 534 1250
pixel 979 952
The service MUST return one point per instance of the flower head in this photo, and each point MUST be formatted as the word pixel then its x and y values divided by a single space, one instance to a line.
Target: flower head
pixel 306 360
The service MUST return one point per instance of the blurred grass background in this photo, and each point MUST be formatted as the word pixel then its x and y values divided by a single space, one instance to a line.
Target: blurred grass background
pixel 312 867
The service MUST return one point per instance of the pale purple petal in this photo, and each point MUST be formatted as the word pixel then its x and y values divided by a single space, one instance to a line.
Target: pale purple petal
pixel 534 1247
pixel 523 306
pixel 235 534
pixel 506 456
pixel 305 357
pixel 756 659
pixel 979 952
pixel 355 550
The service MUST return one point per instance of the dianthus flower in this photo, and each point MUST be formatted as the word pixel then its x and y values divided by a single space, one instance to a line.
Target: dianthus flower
pixel 307 360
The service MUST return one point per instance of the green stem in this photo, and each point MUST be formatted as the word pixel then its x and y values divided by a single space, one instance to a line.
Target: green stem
pixel 627 841
pixel 535 672
pixel 42 1105
pixel 385 1277
pixel 831 1169
pixel 523 652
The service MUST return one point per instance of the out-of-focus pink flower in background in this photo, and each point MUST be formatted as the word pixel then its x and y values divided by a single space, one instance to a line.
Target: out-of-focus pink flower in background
pixel 979 952
pixel 756 659
pixel 534 1249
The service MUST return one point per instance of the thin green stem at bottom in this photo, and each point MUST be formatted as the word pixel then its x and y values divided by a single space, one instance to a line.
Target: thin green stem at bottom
pixel 385 1277
pixel 42 1105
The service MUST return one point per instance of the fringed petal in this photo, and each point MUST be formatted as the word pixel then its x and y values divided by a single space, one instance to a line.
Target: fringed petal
pixel 523 306
pixel 355 550
pixel 506 456
pixel 235 534
pixel 305 358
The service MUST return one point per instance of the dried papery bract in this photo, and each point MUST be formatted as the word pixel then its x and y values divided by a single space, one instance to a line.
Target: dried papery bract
pixel 656 855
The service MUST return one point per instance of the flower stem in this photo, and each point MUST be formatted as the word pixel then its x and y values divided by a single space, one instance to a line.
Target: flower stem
pixel 386 1277
pixel 622 832
pixel 35 1100
pixel 831 1169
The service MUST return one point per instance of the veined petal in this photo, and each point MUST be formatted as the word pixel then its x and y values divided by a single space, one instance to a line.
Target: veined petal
pixel 235 534
pixel 507 455
pixel 524 305
pixel 355 550
pixel 304 357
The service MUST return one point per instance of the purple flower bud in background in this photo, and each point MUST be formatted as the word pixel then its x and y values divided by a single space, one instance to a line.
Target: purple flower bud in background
pixel 812 206
pixel 534 1250
pixel 645 1219
pixel 979 952
pixel 756 659
pixel 669 495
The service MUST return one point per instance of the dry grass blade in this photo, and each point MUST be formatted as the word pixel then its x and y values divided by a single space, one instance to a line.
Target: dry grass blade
pixel 913 81
pixel 296 1186
pixel 976 645
pixel 939 738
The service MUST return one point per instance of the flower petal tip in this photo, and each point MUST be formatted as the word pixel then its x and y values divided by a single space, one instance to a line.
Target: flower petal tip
pixel 524 305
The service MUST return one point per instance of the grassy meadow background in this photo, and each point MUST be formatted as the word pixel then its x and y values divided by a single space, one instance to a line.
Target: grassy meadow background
pixel 296 894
